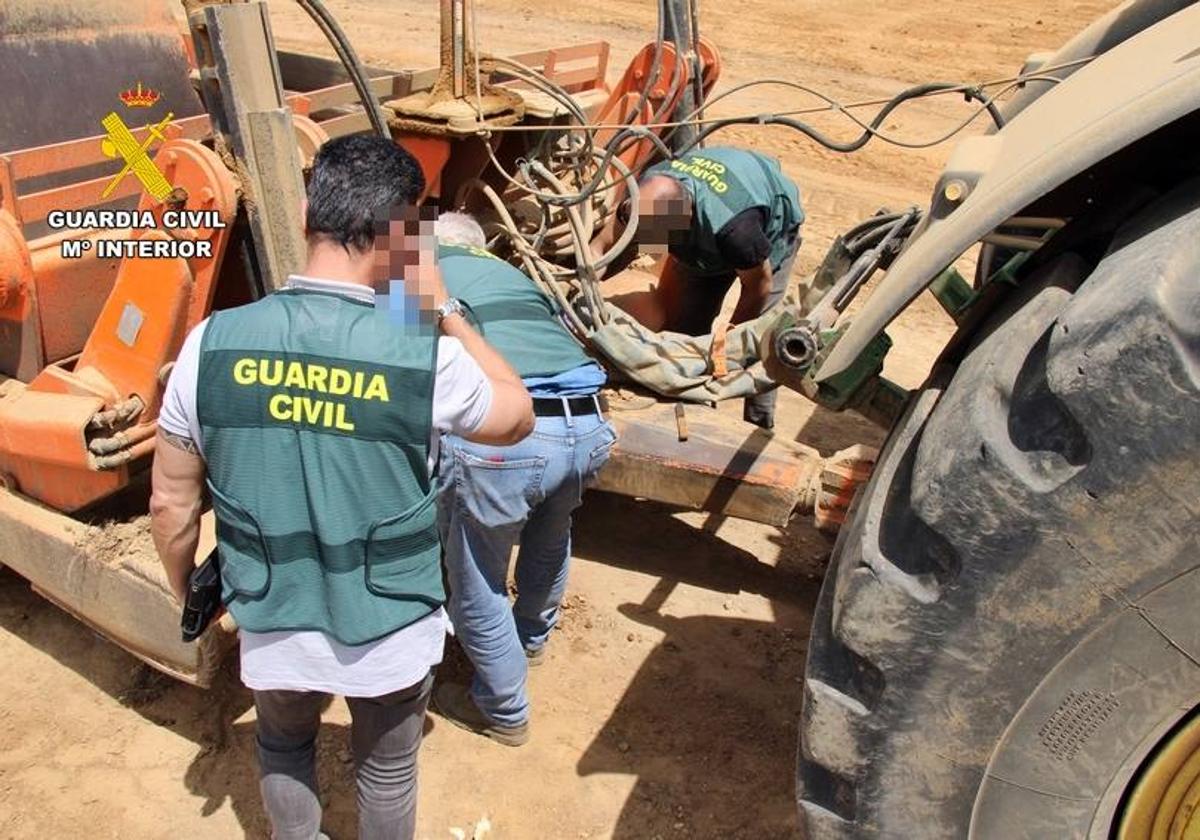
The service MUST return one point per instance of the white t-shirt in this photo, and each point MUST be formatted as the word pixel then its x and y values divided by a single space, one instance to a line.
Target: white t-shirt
pixel 308 660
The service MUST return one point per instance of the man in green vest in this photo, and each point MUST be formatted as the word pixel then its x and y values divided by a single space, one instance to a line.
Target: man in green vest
pixel 495 497
pixel 721 214
pixel 313 418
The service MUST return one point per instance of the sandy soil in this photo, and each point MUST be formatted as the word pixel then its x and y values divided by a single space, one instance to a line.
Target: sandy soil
pixel 668 704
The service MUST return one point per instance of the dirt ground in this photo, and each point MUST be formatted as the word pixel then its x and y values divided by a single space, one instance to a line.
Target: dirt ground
pixel 668 704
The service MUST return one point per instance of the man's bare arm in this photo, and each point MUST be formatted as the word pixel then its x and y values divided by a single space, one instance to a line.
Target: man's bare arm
pixel 756 288
pixel 177 481
pixel 180 442
pixel 606 238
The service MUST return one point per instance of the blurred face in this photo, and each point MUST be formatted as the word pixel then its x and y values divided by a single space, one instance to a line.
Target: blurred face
pixel 404 266
pixel 662 223
pixel 664 214
pixel 404 242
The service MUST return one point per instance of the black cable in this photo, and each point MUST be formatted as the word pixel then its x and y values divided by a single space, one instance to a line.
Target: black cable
pixel 869 224
pixel 680 65
pixel 869 131
pixel 870 237
pixel 988 102
pixel 341 45
pixel 631 134
pixel 665 12
pixel 652 79
pixel 619 143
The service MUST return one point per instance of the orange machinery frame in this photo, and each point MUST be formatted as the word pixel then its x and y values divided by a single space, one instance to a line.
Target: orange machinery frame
pixel 97 336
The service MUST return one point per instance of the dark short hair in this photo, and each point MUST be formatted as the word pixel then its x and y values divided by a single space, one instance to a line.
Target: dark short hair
pixel 354 180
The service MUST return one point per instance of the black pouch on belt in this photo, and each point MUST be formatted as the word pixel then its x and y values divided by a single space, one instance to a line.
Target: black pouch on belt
pixel 203 597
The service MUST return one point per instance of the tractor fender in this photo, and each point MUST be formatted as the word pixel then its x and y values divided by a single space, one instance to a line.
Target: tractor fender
pixel 1136 87
pixel 1106 32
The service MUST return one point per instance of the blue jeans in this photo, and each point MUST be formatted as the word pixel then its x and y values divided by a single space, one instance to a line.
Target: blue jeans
pixel 490 499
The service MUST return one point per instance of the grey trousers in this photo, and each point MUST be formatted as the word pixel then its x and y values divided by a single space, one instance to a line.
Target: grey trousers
pixel 385 735
pixel 702 304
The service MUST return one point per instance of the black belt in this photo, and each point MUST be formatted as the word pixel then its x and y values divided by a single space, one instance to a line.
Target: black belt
pixel 558 406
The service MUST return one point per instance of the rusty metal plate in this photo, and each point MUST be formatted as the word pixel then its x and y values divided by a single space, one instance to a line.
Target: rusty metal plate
pixel 729 468
pixel 118 591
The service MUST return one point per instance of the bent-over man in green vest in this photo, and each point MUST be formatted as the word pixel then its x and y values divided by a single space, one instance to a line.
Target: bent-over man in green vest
pixel 313 416
pixel 722 214
pixel 495 497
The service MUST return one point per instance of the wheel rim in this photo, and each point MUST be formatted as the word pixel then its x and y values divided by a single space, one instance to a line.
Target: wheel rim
pixel 1164 803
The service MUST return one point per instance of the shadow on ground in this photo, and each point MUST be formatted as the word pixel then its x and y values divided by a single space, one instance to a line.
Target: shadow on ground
pixel 204 717
pixel 214 719
pixel 708 722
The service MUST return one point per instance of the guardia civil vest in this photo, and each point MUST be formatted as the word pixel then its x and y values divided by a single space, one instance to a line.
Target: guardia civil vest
pixel 514 315
pixel 724 181
pixel 315 412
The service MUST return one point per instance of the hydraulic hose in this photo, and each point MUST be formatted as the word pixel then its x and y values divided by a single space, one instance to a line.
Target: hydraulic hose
pixel 341 45
pixel 869 130
pixel 652 79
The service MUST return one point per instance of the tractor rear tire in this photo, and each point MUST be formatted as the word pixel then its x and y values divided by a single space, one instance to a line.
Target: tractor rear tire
pixel 1010 626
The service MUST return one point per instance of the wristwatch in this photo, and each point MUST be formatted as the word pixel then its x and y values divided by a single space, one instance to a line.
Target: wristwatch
pixel 450 306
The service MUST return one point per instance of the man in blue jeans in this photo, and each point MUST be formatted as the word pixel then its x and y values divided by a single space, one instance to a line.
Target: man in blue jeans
pixel 494 497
